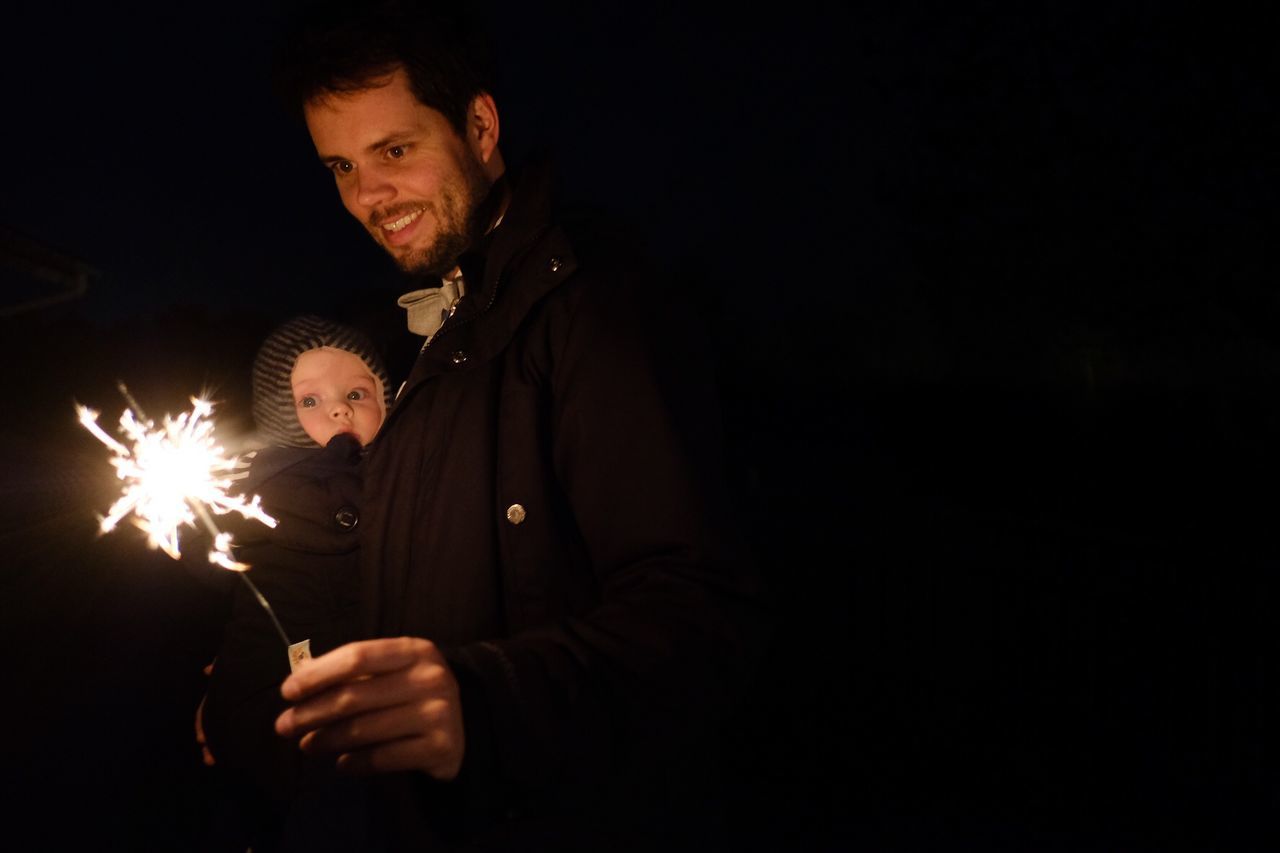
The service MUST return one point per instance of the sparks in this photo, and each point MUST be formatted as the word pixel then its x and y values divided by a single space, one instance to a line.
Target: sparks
pixel 173 476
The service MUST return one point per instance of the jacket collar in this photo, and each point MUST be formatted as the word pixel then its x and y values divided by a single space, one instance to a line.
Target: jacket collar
pixel 516 264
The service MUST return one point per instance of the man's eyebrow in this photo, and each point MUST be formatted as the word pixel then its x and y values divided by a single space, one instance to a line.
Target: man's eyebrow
pixel 372 147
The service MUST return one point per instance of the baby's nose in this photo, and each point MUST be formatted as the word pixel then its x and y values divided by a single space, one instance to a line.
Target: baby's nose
pixel 340 410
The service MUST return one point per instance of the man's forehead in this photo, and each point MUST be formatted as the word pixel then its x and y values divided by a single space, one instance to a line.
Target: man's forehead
pixel 388 94
pixel 337 100
pixel 345 124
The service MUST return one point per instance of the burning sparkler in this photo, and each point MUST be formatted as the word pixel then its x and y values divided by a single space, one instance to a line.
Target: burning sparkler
pixel 173 476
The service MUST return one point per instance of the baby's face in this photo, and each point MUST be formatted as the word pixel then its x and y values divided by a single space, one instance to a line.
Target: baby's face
pixel 335 392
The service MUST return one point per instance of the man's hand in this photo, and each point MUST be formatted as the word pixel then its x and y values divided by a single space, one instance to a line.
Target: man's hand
pixel 385 705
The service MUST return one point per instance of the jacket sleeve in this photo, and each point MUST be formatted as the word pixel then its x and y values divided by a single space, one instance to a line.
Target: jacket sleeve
pixel 678 618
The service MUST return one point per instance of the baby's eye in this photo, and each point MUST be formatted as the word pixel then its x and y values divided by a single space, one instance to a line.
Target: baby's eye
pixel 307 402
pixel 357 394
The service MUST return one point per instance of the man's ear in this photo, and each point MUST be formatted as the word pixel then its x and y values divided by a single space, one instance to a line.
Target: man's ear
pixel 482 127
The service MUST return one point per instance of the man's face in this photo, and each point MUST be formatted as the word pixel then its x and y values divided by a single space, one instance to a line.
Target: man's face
pixel 334 391
pixel 402 170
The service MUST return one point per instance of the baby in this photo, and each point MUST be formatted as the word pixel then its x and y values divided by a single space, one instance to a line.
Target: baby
pixel 314 379
pixel 320 394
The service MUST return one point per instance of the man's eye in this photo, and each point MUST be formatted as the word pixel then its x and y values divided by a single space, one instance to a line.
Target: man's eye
pixel 307 403
pixel 395 152
pixel 343 167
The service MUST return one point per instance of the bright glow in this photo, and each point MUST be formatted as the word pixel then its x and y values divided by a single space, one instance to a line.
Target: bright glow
pixel 172 476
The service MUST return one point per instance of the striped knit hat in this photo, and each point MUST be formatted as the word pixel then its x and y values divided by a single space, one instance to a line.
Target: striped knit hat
pixel 274 409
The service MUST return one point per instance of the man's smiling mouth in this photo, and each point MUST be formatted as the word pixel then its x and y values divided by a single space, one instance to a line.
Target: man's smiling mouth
pixel 403 222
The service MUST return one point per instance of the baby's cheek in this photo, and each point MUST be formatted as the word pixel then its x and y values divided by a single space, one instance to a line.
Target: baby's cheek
pixel 316 428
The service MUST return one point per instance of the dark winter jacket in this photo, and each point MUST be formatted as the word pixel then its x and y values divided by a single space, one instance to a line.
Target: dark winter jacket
pixel 546 502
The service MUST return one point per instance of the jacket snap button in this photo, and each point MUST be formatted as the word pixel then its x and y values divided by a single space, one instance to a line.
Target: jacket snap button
pixel 458 357
pixel 346 518
pixel 555 265
pixel 515 513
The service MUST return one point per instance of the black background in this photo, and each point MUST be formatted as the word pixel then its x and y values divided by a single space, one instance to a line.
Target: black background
pixel 993 302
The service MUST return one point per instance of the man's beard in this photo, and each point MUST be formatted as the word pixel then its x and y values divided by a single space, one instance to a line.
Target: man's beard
pixel 458 225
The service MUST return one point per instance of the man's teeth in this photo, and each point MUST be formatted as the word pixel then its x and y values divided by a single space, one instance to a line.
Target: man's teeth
pixel 401 222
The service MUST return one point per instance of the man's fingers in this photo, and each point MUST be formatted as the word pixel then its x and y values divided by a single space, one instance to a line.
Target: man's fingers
pixel 406 754
pixel 429 718
pixel 383 705
pixel 368 657
pixel 414 753
pixel 356 698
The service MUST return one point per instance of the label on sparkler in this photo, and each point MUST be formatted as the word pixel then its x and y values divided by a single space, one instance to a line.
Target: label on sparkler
pixel 299 652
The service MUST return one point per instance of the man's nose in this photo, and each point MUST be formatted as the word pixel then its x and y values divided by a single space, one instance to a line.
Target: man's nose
pixel 373 187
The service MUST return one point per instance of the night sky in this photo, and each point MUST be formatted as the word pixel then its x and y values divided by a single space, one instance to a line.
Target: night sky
pixel 992 296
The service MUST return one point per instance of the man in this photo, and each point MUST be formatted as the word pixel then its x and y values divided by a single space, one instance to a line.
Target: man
pixel 558 602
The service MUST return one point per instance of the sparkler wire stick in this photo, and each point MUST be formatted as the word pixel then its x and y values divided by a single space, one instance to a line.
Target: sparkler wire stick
pixel 219 538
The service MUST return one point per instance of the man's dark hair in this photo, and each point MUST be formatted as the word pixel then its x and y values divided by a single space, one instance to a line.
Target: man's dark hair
pixel 341 47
